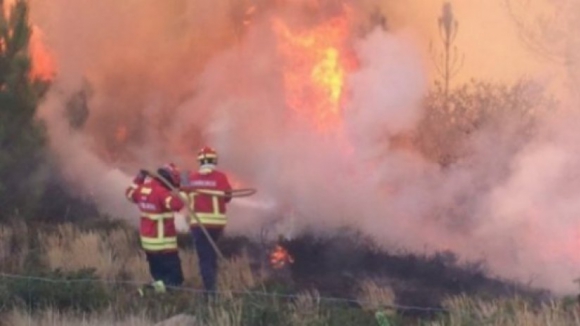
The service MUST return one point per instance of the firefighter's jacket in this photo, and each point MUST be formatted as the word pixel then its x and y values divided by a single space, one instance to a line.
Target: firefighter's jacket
pixel 209 206
pixel 157 204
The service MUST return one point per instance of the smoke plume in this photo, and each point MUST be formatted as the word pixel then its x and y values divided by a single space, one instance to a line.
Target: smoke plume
pixel 167 77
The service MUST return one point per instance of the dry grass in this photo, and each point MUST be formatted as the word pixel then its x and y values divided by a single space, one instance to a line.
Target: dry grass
pixel 218 314
pixel 373 296
pixel 512 312
pixel 70 250
pixel 5 243
pixel 55 318
pixel 111 255
pixel 190 267
pixel 236 275
pixel 116 254
pixel 306 310
pixel 137 268
pixel 14 247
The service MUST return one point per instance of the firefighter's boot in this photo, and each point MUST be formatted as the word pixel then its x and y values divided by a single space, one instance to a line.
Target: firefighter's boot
pixel 159 287
pixel 155 287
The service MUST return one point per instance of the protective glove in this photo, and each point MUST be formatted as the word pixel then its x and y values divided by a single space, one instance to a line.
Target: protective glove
pixel 228 196
pixel 140 178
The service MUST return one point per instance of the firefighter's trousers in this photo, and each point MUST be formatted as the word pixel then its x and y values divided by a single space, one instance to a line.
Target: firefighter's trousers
pixel 207 256
pixel 166 267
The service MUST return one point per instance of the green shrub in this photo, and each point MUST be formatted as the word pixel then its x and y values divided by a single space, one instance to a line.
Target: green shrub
pixel 79 291
pixel 344 314
pixel 263 310
pixel 22 137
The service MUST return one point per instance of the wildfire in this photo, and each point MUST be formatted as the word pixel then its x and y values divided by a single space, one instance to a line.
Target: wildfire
pixel 315 67
pixel 121 133
pixel 248 15
pixel 280 257
pixel 43 65
pixel 8 4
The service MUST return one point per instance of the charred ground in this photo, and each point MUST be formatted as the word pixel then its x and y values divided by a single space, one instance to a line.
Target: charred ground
pixel 335 264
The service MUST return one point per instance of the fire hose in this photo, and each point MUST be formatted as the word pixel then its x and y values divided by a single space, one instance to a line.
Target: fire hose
pixel 232 193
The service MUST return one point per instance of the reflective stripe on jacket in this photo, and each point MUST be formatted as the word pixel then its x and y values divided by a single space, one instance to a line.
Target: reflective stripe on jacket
pixel 209 208
pixel 157 204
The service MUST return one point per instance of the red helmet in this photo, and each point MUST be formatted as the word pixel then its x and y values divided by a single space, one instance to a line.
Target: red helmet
pixel 207 155
pixel 171 173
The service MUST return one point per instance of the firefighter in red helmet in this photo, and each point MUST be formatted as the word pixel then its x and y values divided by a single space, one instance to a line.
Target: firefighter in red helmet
pixel 158 234
pixel 210 207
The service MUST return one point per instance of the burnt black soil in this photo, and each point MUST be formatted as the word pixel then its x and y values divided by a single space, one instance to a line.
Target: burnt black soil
pixel 334 265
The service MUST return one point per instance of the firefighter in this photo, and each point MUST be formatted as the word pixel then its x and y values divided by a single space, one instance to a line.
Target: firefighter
pixel 158 234
pixel 211 211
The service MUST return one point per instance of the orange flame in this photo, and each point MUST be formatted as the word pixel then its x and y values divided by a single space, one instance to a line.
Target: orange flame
pixel 121 133
pixel 43 64
pixel 280 257
pixel 315 67
pixel 248 15
pixel 8 5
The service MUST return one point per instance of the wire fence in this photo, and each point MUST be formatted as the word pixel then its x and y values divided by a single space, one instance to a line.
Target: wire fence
pixel 276 295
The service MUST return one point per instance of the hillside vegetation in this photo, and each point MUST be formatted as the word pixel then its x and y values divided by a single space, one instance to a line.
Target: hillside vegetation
pixel 65 274
pixel 61 263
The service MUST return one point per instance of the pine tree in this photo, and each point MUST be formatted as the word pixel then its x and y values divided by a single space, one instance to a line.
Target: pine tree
pixel 22 136
pixel 449 62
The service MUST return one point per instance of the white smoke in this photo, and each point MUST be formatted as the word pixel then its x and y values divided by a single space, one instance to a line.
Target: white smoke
pixel 514 208
pixel 88 175
pixel 532 216
pixel 387 88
